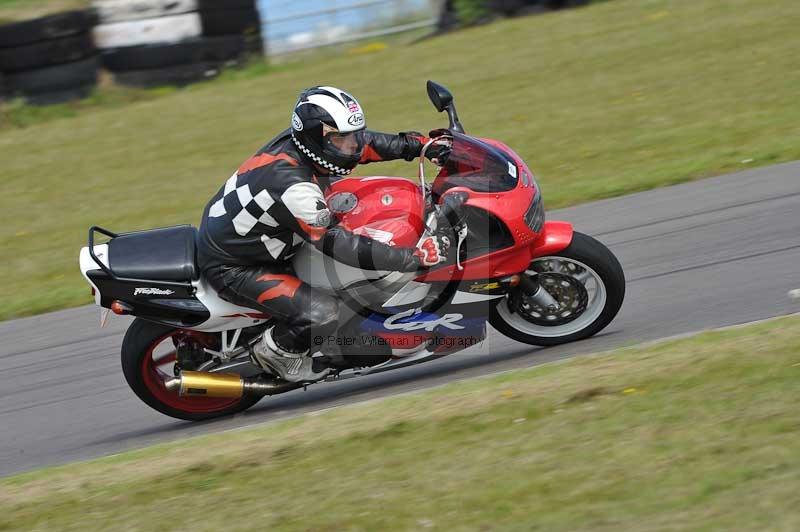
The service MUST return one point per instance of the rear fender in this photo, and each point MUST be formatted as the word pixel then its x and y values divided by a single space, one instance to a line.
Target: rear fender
pixel 553 238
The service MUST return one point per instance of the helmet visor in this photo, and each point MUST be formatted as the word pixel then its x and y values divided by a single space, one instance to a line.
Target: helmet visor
pixel 349 144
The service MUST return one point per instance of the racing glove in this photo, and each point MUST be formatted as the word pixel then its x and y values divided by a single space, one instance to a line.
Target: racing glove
pixel 439 151
pixel 436 153
pixel 432 250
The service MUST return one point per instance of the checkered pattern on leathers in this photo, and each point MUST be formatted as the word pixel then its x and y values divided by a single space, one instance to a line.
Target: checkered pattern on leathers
pixel 256 213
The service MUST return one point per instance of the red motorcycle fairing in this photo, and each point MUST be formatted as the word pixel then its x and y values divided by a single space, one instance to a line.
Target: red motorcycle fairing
pixel 555 237
pixel 510 207
pixel 389 209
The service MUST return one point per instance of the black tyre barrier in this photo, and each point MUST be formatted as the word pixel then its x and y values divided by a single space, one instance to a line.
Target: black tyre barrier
pixel 205 5
pixel 508 7
pixel 179 75
pixel 230 22
pixel 205 50
pixel 562 4
pixel 53 79
pixel 46 53
pixel 62 96
pixel 46 28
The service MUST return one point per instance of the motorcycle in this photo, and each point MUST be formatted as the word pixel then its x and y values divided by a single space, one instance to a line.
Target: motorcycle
pixel 187 354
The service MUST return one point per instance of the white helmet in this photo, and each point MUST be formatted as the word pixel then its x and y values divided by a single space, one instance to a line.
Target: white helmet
pixel 328 126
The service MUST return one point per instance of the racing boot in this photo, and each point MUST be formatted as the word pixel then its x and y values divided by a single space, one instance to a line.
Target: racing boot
pixel 289 366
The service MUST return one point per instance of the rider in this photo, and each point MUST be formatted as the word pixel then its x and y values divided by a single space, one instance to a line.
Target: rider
pixel 275 202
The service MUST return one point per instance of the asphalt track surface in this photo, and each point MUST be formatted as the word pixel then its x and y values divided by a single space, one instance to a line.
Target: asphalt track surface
pixel 706 254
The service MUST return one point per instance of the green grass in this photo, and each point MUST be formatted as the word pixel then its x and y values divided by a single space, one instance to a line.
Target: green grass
pixel 15 10
pixel 601 101
pixel 690 434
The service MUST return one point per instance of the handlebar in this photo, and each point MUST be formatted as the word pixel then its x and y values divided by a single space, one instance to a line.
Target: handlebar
pixel 421 173
pixel 450 208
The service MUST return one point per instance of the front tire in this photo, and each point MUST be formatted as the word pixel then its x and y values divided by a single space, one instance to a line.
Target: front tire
pixel 589 285
pixel 148 356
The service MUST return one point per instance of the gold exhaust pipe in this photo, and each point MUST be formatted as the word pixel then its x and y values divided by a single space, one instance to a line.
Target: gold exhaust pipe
pixel 226 385
pixel 200 384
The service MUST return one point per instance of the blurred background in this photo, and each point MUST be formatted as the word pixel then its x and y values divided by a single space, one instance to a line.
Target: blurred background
pixel 130 114
pixel 54 51
pixel 291 26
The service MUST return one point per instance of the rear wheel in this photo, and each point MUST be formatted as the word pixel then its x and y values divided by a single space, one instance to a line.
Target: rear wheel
pixel 148 360
pixel 586 286
pixel 179 75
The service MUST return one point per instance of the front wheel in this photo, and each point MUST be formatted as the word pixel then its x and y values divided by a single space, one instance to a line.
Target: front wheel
pixel 149 354
pixel 586 286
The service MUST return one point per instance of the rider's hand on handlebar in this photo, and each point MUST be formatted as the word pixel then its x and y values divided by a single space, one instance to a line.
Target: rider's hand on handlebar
pixel 439 151
pixel 432 250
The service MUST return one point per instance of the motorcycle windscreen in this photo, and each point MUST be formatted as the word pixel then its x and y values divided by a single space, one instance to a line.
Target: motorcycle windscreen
pixel 477 166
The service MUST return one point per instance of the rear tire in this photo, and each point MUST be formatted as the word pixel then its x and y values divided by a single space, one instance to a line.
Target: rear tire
pixel 46 53
pixel 177 75
pixel 593 260
pixel 59 96
pixel 207 5
pixel 231 22
pixel 214 50
pixel 145 378
pixel 46 28
pixel 59 78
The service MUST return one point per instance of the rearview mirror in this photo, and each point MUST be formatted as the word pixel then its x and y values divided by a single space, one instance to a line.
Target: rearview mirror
pixel 440 96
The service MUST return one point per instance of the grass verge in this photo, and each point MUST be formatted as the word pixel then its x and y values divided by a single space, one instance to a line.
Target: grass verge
pixel 605 100
pixel 697 433
pixel 16 10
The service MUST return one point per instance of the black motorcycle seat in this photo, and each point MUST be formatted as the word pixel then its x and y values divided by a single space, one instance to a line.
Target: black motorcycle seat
pixel 166 254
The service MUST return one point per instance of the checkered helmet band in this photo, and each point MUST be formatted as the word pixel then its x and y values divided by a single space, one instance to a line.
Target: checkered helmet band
pixel 336 170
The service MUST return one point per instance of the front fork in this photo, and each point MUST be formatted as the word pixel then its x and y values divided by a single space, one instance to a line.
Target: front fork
pixel 530 287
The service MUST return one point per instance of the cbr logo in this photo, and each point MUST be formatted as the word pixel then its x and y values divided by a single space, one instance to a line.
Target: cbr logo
pixel 152 292
pixel 448 321
pixel 356 120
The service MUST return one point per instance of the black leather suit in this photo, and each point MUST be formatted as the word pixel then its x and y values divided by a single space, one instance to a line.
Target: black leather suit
pixel 269 207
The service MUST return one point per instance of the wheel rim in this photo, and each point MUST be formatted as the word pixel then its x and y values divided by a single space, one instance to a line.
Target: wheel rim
pixel 586 307
pixel 157 368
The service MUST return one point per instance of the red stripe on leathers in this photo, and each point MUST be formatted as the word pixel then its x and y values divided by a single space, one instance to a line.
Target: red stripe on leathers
pixel 287 286
pixel 264 159
pixel 369 155
pixel 313 232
